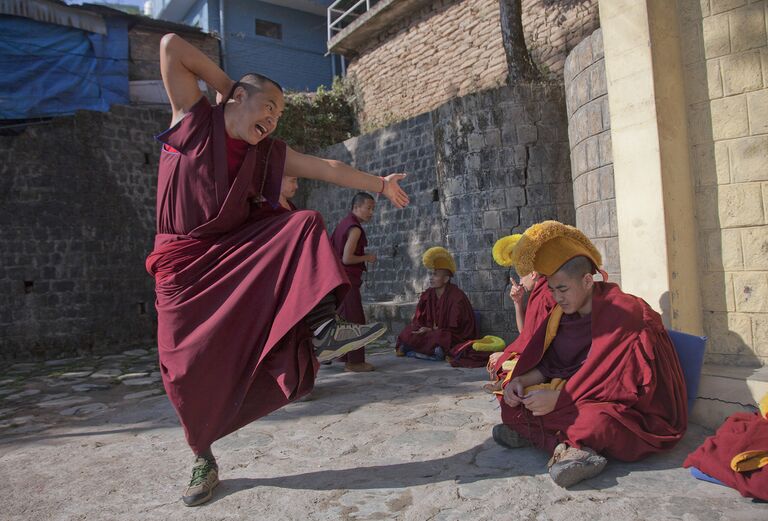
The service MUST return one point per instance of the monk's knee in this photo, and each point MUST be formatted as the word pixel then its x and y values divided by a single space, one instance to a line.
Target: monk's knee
pixel 311 218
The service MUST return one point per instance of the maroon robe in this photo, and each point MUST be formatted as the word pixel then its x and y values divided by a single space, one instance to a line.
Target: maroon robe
pixel 351 308
pixel 451 312
pixel 741 432
pixel 232 285
pixel 628 398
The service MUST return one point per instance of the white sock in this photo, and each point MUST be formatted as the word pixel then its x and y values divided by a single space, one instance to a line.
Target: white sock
pixel 320 329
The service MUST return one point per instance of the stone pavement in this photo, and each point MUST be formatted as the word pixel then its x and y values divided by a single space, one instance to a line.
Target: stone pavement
pixel 96 439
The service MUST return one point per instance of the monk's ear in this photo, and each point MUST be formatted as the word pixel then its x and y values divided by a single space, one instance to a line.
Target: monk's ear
pixel 240 94
pixel 588 280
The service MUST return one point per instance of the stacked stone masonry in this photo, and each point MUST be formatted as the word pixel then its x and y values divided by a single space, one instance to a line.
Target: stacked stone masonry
pixel 77 206
pixel 479 167
pixel 452 48
pixel 725 53
pixel 591 159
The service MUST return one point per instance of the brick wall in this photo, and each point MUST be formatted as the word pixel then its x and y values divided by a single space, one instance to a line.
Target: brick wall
pixel 725 52
pixel 77 203
pixel 589 133
pixel 144 48
pixel 479 167
pixel 554 27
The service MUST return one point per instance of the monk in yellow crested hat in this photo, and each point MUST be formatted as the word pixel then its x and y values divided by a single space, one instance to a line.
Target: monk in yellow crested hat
pixel 597 375
pixel 444 317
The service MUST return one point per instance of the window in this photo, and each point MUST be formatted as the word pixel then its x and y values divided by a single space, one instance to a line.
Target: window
pixel 269 29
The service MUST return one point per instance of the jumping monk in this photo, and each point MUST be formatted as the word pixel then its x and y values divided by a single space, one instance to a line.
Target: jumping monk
pixel 599 377
pixel 349 242
pixel 246 300
pixel 444 316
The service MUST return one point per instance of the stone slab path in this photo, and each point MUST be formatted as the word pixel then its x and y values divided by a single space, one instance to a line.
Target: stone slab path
pixel 96 439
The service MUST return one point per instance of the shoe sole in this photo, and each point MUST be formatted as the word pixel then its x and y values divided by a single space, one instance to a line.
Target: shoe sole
pixel 203 499
pixel 573 474
pixel 326 356
pixel 500 439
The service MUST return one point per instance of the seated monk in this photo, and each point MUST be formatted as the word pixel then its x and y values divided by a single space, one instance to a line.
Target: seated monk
pixel 444 316
pixel 600 377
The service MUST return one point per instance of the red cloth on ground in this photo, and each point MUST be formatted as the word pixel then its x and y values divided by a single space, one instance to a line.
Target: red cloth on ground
pixel 451 313
pixel 462 355
pixel 540 303
pixel 627 401
pixel 351 308
pixel 741 432
pixel 232 286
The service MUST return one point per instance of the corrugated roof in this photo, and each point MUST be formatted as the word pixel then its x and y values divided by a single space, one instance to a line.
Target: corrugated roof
pixel 52 12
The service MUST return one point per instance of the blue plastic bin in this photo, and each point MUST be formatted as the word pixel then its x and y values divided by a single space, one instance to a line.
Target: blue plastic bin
pixel 690 351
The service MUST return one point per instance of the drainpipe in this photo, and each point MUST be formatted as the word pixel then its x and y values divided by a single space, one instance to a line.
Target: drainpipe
pixel 223 36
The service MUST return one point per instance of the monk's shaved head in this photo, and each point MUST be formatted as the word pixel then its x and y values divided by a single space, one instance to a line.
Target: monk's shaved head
pixel 360 198
pixel 577 267
pixel 258 81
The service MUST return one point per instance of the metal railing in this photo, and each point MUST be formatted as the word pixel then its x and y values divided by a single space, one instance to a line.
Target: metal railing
pixel 341 13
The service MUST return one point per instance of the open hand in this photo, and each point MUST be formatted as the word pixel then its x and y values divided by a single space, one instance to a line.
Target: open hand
pixel 372 257
pixel 393 192
pixel 541 402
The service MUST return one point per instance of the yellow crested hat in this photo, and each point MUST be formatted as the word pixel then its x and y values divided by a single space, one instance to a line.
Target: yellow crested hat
pixel 504 248
pixel 546 246
pixel 438 258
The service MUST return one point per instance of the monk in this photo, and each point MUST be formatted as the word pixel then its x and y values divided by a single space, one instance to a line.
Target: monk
pixel 349 242
pixel 246 299
pixel 599 377
pixel 288 190
pixel 444 317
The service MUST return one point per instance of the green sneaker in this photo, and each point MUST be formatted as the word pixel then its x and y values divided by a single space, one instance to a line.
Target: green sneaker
pixel 340 337
pixel 205 477
pixel 508 438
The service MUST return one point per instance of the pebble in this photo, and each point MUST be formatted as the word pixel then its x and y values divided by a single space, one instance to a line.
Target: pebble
pixel 6 411
pixel 23 367
pixel 76 374
pixel 113 357
pixel 136 352
pixel 23 394
pixel 3 392
pixel 140 381
pixel 62 361
pixel 106 373
pixel 7 381
pixel 90 387
pixel 65 402
pixel 82 410
pixel 129 376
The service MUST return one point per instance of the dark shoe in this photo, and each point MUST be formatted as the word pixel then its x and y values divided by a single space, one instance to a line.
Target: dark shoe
pixel 205 478
pixel 508 438
pixel 358 367
pixel 570 465
pixel 341 337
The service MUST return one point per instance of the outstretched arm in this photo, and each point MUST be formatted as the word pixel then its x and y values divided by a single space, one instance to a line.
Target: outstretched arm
pixel 338 173
pixel 181 65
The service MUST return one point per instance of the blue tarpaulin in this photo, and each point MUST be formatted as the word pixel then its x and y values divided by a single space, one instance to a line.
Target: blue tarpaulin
pixel 51 70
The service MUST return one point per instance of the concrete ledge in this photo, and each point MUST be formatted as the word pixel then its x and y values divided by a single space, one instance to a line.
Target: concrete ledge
pixel 724 390
pixel 365 28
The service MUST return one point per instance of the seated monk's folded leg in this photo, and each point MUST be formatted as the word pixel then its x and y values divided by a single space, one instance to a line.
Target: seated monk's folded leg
pixel 530 427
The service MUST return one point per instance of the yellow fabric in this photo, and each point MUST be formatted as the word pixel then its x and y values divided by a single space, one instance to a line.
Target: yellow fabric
pixel 438 258
pixel 546 246
pixel 556 384
pixel 764 406
pixel 504 248
pixel 750 460
pixel 489 344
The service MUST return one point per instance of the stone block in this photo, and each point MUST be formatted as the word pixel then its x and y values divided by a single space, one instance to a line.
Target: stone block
pixel 749 158
pixel 724 250
pixel 729 117
pixel 747 28
pixel 757 109
pixel 729 333
pixel 717 40
pixel 751 291
pixel 602 219
pixel 741 73
pixel 580 197
pixel 527 134
pixel 606 182
pixel 717 292
pixel 592 149
pixel 720 6
pixel 593 186
pixel 714 79
pixel 740 205
pixel 760 334
pixel 491 220
pixel 515 196
pixel 755 246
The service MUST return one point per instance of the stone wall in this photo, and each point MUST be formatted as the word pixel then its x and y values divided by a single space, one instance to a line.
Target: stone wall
pixel 554 27
pixel 439 52
pixel 479 167
pixel 725 51
pixel 144 50
pixel 77 199
pixel 589 134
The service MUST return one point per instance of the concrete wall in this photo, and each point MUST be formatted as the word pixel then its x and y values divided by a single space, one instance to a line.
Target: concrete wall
pixel 479 167
pixel 725 52
pixel 589 134
pixel 77 200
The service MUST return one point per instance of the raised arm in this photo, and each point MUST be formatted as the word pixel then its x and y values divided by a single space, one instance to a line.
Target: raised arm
pixel 338 173
pixel 181 65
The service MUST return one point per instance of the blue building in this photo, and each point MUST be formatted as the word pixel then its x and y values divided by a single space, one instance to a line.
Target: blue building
pixel 283 39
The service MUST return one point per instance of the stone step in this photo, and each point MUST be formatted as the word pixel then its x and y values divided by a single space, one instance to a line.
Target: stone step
pixel 724 390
